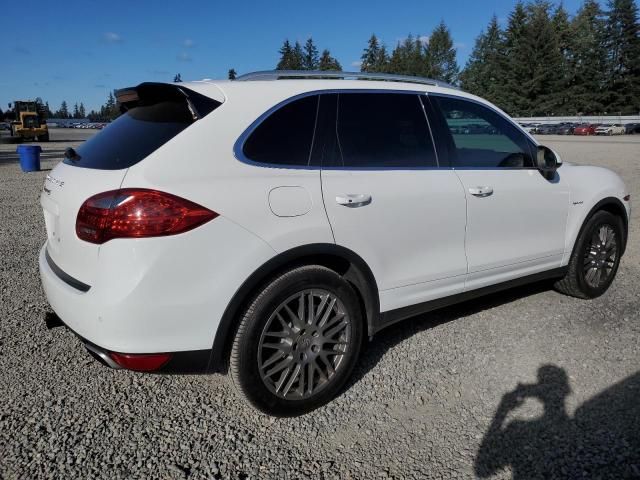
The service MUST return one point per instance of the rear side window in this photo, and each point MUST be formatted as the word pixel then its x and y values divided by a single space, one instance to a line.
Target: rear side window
pixel 387 130
pixel 481 137
pixel 139 131
pixel 285 136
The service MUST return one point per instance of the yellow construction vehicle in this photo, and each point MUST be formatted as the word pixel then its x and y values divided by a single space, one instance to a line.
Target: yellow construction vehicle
pixel 29 122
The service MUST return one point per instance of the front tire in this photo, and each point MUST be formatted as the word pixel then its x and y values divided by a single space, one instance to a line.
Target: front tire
pixel 297 342
pixel 595 257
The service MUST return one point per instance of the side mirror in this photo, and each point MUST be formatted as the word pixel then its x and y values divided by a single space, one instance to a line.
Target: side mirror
pixel 546 160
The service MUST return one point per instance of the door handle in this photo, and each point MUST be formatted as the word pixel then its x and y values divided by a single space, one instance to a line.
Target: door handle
pixel 353 200
pixel 480 191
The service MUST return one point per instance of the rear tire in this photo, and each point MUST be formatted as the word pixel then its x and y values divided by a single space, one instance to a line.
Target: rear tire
pixel 297 342
pixel 595 258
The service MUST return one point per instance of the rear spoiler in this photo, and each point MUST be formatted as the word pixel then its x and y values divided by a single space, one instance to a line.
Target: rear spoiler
pixel 149 93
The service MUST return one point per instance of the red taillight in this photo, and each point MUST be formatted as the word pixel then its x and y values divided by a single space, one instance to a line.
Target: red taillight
pixel 137 213
pixel 142 362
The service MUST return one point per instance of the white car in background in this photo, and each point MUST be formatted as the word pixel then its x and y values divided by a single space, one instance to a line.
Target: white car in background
pixel 616 129
pixel 530 127
pixel 270 224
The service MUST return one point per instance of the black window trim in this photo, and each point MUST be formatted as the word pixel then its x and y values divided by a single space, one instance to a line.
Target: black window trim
pixel 531 142
pixel 238 147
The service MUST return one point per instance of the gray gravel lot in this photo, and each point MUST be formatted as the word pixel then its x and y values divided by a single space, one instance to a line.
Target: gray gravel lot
pixel 427 399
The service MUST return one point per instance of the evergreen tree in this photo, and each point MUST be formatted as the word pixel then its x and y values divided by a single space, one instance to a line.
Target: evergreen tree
pixel 76 113
pixel 623 41
pixel 110 110
pixel 374 57
pixel 515 67
pixel 327 62
pixel 371 55
pixel 542 85
pixel 562 29
pixel 232 74
pixel 82 111
pixel 290 57
pixel 416 57
pixel 397 61
pixel 382 64
pixel 297 57
pixel 286 53
pixel 64 110
pixel 408 58
pixel 588 60
pixel 485 68
pixel 441 56
pixel 310 55
pixel 1 115
pixel 177 78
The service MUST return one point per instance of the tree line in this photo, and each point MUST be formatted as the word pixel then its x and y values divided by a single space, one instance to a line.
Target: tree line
pixel 543 62
pixel 546 63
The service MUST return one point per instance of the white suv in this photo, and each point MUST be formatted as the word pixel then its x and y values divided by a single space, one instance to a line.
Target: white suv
pixel 270 224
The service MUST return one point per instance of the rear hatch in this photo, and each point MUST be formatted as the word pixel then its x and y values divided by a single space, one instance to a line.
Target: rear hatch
pixel 152 115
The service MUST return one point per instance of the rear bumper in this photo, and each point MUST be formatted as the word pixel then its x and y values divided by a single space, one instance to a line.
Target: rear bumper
pixel 156 295
pixel 197 361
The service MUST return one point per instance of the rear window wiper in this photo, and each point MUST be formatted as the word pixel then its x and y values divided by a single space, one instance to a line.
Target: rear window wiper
pixel 71 154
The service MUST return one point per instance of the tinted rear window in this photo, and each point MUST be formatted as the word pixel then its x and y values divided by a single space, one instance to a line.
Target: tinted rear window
pixel 135 134
pixel 387 130
pixel 285 137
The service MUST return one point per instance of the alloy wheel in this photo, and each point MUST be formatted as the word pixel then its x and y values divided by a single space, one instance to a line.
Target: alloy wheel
pixel 600 256
pixel 303 344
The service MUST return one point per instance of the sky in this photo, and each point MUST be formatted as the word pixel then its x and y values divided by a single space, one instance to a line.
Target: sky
pixel 79 51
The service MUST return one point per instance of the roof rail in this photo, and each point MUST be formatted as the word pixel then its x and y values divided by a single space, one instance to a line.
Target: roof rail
pixel 332 74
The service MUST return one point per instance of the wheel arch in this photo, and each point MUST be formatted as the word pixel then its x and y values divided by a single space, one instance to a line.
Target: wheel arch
pixel 340 259
pixel 614 206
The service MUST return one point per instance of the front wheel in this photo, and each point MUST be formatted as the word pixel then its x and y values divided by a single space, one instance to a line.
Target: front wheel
pixel 595 257
pixel 297 342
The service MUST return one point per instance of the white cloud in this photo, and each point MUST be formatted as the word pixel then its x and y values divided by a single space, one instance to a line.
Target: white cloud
pixel 112 37
pixel 184 57
pixel 188 43
pixel 356 63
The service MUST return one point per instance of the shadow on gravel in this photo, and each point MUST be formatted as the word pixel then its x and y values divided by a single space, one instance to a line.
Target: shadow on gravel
pixel 395 334
pixel 602 440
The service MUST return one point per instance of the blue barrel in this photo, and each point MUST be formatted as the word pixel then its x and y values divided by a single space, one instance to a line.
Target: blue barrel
pixel 29 157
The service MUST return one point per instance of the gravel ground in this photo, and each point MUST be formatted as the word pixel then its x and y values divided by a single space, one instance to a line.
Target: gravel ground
pixel 429 399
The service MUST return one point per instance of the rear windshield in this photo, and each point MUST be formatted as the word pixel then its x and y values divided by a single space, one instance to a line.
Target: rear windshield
pixel 139 131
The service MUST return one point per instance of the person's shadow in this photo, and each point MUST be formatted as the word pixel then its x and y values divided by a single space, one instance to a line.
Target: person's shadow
pixel 602 440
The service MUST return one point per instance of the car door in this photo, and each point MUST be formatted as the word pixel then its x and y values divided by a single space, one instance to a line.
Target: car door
pixel 386 198
pixel 516 218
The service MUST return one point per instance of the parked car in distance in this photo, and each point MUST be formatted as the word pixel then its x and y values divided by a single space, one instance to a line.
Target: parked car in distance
pixel 631 128
pixel 530 127
pixel 269 225
pixel 585 129
pixel 548 129
pixel 4 126
pixel 566 129
pixel 612 129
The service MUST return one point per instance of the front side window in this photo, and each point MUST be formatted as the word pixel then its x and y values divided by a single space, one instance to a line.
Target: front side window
pixel 285 137
pixel 481 137
pixel 387 130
